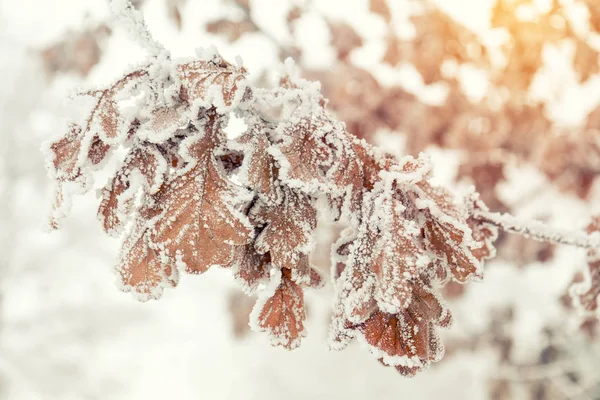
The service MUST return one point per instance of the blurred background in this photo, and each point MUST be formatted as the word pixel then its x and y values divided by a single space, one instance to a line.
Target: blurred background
pixel 502 94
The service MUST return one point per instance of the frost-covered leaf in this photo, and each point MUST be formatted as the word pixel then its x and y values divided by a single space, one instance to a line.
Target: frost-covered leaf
pixel 371 163
pixel 258 168
pixel 346 174
pixel 164 122
pixel 398 256
pixel 303 156
pixel 395 339
pixel 280 311
pixel 407 340
pixel 356 284
pixel 144 167
pixel 97 152
pixel 212 82
pixel 108 118
pixel 64 154
pixel 483 234
pixel 447 235
pixel 70 159
pixel 250 268
pixel 201 225
pixel 287 233
pixel 141 268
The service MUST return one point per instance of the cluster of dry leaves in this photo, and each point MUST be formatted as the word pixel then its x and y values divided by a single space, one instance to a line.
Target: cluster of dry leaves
pixel 187 197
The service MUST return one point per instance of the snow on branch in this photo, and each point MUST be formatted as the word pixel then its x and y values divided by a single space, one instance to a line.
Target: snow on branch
pixel 540 231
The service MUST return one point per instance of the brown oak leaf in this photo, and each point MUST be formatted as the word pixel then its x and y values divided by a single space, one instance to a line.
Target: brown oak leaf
pixel 357 281
pixel 258 168
pixel 65 153
pixel 141 268
pixel 117 198
pixel 213 82
pixel 287 232
pixel 346 174
pixel 163 122
pixel 201 226
pixel 398 255
pixel 408 340
pixel 281 313
pixel 250 268
pixel 447 236
pixel 483 234
pixel 304 154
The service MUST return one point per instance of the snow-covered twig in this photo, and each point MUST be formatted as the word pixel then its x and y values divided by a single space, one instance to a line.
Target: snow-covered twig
pixel 136 24
pixel 538 230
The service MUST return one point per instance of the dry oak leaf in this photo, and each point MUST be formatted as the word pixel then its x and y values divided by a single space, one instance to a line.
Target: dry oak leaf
pixel 482 233
pixel 280 311
pixel 346 175
pixel 65 162
pixel 250 268
pixel 355 300
pixel 447 234
pixel 303 155
pixel 107 119
pixel 408 340
pixel 119 194
pixel 141 269
pixel 164 121
pixel 201 225
pixel 213 82
pixel 398 255
pixel 81 148
pixel 357 296
pixel 70 159
pixel 398 341
pixel 258 168
pixel 73 152
pixel 287 232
